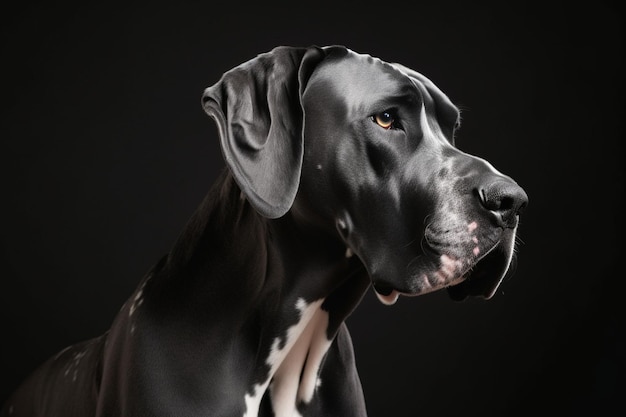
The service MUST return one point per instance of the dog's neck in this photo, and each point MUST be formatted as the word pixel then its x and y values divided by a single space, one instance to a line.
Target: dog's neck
pixel 287 284
pixel 226 230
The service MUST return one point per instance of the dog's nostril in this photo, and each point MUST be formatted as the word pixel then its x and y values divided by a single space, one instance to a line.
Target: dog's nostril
pixel 505 198
pixel 506 203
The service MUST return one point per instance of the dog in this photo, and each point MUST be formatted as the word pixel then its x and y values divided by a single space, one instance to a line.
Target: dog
pixel 341 175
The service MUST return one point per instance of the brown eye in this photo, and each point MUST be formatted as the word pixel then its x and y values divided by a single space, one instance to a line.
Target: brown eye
pixel 384 119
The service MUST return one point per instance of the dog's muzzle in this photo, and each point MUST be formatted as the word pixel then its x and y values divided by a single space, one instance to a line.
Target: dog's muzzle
pixel 469 258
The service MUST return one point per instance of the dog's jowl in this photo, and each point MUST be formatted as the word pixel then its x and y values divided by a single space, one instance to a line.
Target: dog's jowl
pixel 342 174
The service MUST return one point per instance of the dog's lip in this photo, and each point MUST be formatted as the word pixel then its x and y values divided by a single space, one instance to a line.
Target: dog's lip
pixel 485 276
pixel 387 296
pixel 480 277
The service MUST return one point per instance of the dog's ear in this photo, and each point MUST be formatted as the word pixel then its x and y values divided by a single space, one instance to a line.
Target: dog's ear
pixel 258 110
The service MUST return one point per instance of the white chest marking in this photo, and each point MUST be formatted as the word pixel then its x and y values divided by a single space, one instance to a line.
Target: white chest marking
pixel 294 368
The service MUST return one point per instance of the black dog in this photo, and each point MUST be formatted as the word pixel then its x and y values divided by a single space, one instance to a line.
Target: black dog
pixel 342 174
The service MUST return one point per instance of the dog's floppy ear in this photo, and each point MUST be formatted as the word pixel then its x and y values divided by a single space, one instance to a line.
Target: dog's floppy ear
pixel 260 119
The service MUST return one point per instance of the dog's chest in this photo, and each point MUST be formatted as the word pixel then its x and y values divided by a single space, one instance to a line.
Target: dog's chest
pixel 294 361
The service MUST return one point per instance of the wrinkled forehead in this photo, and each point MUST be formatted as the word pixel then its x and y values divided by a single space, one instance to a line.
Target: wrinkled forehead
pixel 363 80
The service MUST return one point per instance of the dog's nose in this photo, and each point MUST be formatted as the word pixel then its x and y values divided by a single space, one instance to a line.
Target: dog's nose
pixel 505 199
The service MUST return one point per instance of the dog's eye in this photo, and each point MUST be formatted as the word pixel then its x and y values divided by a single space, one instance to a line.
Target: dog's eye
pixel 385 119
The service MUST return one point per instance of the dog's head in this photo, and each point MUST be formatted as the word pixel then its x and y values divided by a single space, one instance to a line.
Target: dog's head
pixel 365 149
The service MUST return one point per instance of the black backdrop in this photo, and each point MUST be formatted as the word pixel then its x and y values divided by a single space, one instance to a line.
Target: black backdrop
pixel 105 152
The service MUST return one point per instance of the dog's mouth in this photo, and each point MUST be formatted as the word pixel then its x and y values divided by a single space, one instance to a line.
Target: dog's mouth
pixel 480 277
pixel 485 277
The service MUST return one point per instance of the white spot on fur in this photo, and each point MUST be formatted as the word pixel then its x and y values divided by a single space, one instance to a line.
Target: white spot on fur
pixel 448 266
pixel 254 401
pixel 318 347
pixel 349 253
pixel 448 274
pixel 304 348
pixel 439 278
pixel 73 365
pixel 138 299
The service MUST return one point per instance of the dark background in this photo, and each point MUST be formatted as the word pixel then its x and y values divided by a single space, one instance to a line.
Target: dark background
pixel 105 153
